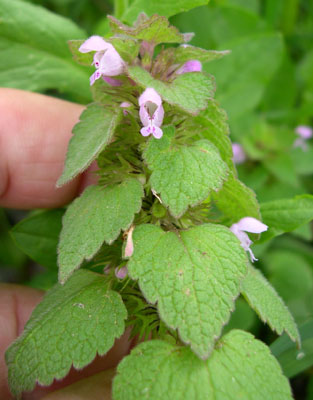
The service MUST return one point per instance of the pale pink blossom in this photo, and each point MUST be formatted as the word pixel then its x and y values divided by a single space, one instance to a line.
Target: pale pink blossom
pixel 121 273
pixel 239 155
pixel 305 133
pixel 151 113
pixel 129 248
pixel 190 66
pixel 248 224
pixel 124 105
pixel 106 59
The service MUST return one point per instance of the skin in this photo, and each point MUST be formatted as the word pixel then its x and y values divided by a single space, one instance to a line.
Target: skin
pixel 34 135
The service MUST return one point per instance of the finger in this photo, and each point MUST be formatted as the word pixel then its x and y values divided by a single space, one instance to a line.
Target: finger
pixel 34 134
pixel 16 305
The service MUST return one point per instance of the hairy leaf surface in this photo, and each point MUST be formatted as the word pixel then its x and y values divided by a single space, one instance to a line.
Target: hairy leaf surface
pixel 69 327
pixel 264 299
pixel 190 92
pixel 240 367
pixel 97 216
pixel 194 276
pixel 91 135
pixel 236 200
pixel 184 176
pixel 214 127
pixel 155 29
pixel 186 53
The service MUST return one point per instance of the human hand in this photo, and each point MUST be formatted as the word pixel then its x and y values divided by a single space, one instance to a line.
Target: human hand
pixel 34 134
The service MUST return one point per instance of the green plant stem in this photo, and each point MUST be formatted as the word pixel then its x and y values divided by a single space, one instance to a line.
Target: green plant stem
pixel 289 17
pixel 120 7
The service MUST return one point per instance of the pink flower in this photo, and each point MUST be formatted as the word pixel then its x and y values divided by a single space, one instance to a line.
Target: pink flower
pixel 106 59
pixel 125 105
pixel 190 66
pixel 248 224
pixel 112 81
pixel 129 248
pixel 121 273
pixel 305 133
pixel 239 156
pixel 151 113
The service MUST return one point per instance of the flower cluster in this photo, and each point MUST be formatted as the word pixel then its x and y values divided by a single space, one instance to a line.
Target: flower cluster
pixel 109 63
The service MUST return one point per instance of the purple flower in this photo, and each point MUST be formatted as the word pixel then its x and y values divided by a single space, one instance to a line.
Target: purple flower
pixel 106 59
pixel 151 113
pixel 125 105
pixel 190 66
pixel 248 224
pixel 305 133
pixel 239 156
pixel 121 273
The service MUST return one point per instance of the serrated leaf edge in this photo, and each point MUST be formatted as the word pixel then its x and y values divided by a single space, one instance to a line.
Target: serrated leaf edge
pixel 123 228
pixel 8 358
pixel 61 181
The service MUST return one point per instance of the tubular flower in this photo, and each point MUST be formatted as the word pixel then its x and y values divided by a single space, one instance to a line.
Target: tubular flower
pixel 106 59
pixel 129 248
pixel 239 156
pixel 121 273
pixel 247 224
pixel 151 113
pixel 305 133
pixel 190 66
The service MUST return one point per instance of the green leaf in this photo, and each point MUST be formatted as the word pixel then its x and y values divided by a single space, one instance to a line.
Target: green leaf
pixel 97 216
pixel 161 7
pixel 291 283
pixel 91 135
pixel 155 29
pixel 190 275
pixel 190 92
pixel 186 53
pixel 236 201
pixel 34 52
pixel 282 167
pixel 38 235
pixel 302 160
pixel 243 75
pixel 184 176
pixel 292 360
pixel 240 367
pixel 215 128
pixel 72 324
pixel 264 299
pixel 286 215
pixel 10 254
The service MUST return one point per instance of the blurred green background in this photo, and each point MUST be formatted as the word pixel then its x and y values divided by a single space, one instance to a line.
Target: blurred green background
pixel 266 86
